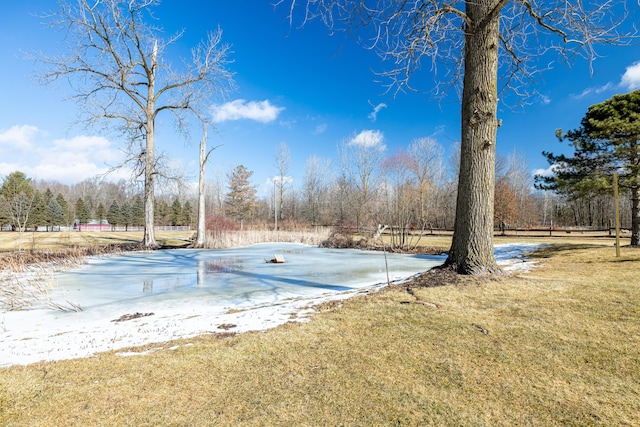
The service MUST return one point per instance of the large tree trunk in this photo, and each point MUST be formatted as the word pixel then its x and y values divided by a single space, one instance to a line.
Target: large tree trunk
pixel 472 247
pixel 149 238
pixel 635 216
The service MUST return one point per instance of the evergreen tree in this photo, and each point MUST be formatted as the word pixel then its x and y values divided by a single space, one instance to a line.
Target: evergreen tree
pixel 176 212
pixel 162 212
pixel 240 201
pixel 47 197
pixel 65 208
pixel 17 197
pixel 607 141
pixel 187 213
pixel 126 215
pixel 113 215
pixel 54 214
pixel 101 214
pixel 138 211
pixel 83 215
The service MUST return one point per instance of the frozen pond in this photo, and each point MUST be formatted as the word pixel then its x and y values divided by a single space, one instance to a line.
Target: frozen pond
pixel 238 277
pixel 188 292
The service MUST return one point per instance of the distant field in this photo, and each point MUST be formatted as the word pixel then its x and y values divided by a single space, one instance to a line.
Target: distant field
pixel 10 241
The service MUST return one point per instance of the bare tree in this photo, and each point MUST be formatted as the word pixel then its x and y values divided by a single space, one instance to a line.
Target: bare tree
pixel 476 42
pixel 363 154
pixel 118 71
pixel 316 186
pixel 282 161
pixel 426 159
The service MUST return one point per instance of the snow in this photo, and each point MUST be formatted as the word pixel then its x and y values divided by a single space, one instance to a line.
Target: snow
pixel 187 292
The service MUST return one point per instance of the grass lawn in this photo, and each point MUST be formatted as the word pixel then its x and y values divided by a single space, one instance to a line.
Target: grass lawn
pixel 556 346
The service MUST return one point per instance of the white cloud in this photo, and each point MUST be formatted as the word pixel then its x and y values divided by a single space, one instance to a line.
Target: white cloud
pixel 543 172
pixel 631 77
pixel 550 171
pixel 262 111
pixel 18 138
pixel 368 138
pixel 68 160
pixel 376 109
pixel 320 129
pixel 597 90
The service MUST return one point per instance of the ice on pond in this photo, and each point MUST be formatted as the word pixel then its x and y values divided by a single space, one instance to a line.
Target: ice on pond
pixel 188 292
pixel 191 292
pixel 233 277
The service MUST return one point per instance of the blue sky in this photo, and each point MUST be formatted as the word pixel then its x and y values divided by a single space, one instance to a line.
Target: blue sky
pixel 297 86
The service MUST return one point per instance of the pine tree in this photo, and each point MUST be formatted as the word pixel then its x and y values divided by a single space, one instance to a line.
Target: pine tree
pixel 138 211
pixel 240 201
pixel 83 215
pixel 126 215
pixel 176 212
pixel 54 214
pixel 607 141
pixel 113 215
pixel 100 214
pixel 187 213
pixel 66 220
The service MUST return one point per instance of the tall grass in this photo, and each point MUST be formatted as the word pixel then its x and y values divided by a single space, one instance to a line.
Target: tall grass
pixel 220 239
pixel 26 278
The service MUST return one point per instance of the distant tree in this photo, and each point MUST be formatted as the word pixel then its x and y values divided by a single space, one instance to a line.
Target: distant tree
pixel 316 187
pixel 82 213
pixel 163 212
pixel 608 140
pixel 38 211
pixel 505 212
pixel 113 215
pixel 101 214
pixel 425 164
pixel 187 214
pixel 116 68
pixel 282 162
pixel 126 215
pixel 362 155
pixel 240 201
pixel 138 211
pixel 54 214
pixel 47 196
pixel 176 212
pixel 400 187
pixel 17 196
pixel 66 208
pixel 476 42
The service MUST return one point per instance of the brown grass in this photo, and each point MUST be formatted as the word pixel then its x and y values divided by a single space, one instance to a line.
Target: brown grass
pixel 557 346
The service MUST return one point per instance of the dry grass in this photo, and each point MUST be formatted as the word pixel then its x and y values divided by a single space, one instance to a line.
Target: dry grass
pixel 69 239
pixel 220 239
pixel 557 346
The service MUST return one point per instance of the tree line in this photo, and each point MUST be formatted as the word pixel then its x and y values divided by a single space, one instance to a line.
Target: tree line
pixel 28 204
pixel 412 190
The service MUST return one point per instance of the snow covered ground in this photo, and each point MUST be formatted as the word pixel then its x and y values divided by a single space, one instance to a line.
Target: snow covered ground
pixel 183 293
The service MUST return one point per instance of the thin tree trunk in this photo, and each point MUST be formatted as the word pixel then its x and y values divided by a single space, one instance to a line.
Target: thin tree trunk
pixel 149 239
pixel 472 246
pixel 201 206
